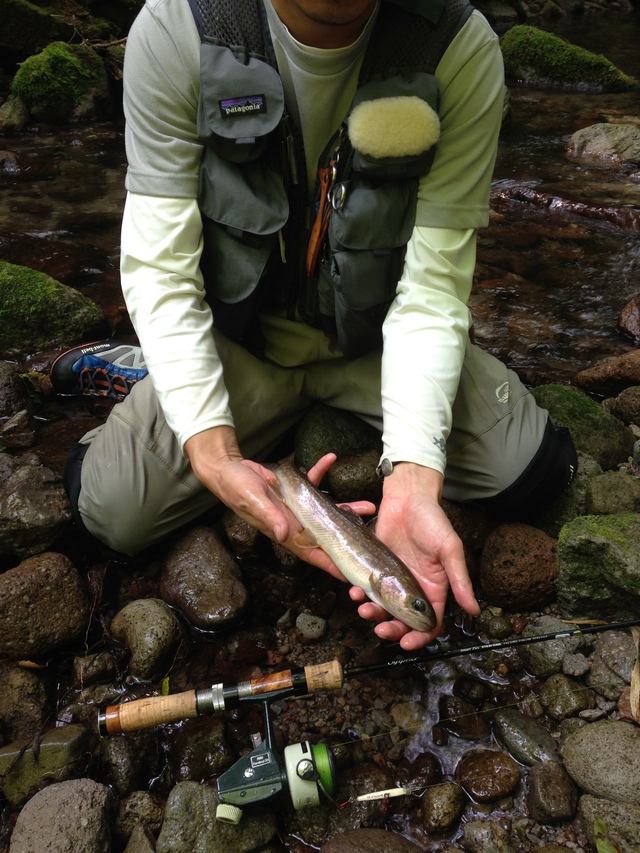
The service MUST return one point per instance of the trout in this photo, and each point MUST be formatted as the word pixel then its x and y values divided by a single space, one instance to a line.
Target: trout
pixel 356 551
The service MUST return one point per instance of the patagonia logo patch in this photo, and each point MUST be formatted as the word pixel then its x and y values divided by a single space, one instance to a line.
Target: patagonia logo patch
pixel 230 107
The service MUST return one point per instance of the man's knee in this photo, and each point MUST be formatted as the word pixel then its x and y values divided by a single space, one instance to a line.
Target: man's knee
pixel 545 478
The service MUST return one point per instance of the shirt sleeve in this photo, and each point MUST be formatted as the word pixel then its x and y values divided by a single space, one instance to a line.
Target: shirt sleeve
pixel 426 328
pixel 161 241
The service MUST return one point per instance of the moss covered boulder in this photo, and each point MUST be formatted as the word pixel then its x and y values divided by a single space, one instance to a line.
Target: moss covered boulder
pixel 64 83
pixel 538 58
pixel 599 567
pixel 38 313
pixel 594 431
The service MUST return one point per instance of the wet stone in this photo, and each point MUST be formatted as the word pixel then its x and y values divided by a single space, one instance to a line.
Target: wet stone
pixel 130 761
pixel 423 771
pixel 614 655
pixel 552 796
pixel 441 807
pixel 34 509
pixel 369 841
pixel 459 718
pixel 564 697
pixel 140 809
pixel 576 665
pixel 621 819
pixel 488 775
pixel 310 627
pixel 525 738
pixel 190 824
pixel 23 703
pixel 70 815
pixel 32 597
pixel 244 539
pixel 62 752
pixel 546 658
pixel 487 836
pixel 603 759
pixel 409 716
pixel 151 632
pixel 199 750
pixel 202 579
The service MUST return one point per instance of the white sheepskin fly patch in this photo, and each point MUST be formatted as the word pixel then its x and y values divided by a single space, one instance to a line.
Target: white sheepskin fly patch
pixel 403 126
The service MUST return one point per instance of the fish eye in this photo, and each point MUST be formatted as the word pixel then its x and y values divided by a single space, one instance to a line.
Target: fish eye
pixel 419 604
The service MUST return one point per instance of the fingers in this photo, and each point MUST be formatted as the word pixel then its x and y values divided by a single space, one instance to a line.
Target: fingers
pixel 317 472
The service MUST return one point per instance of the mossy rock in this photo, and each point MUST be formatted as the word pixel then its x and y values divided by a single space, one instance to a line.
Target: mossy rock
pixel 599 567
pixel 39 313
pixel 65 82
pixel 544 59
pixel 27 28
pixel 328 430
pixel 594 431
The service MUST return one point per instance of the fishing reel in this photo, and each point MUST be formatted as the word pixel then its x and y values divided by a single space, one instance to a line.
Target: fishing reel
pixel 307 772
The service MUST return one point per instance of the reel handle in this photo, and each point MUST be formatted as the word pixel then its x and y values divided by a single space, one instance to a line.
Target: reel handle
pixel 155 710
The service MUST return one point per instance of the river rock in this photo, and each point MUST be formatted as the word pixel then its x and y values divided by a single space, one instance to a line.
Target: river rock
pixel 599 567
pixel 140 810
pixel 611 144
pixel 422 771
pixel 202 579
pixel 190 824
pixel 441 806
pixel 552 797
pixel 613 493
pixel 369 841
pixel 14 116
pixel 621 819
pixel 545 658
pixel 353 477
pixel 518 567
pixel 459 718
pixel 487 775
pixel 39 313
pixel 611 377
pixel 140 841
pixel 603 759
pixel 311 628
pixel 130 763
pixel 71 815
pixel 542 59
pixel 614 656
pixel 626 406
pixel 34 509
pixel 151 632
pixel 487 836
pixel 525 738
pixel 572 502
pixel 593 430
pixel 13 392
pixel 629 319
pixel 409 716
pixel 244 539
pixel 199 750
pixel 23 702
pixel 62 752
pixel 562 697
pixel 43 606
pixel 328 430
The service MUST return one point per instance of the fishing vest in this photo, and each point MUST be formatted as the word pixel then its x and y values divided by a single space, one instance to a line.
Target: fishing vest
pixel 253 184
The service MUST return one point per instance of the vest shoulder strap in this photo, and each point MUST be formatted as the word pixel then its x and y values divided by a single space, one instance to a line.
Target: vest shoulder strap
pixel 412 35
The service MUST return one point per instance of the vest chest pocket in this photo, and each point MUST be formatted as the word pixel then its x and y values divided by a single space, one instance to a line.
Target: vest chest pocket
pixel 367 239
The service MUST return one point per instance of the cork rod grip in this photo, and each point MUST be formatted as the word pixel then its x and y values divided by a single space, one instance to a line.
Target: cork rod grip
pixel 324 676
pixel 148 712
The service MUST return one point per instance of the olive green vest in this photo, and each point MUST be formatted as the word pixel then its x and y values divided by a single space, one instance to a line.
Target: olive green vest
pixel 253 185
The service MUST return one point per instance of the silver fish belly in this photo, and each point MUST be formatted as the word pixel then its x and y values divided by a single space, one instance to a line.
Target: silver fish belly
pixel 360 556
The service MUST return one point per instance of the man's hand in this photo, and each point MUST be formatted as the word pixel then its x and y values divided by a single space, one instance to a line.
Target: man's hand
pixel 247 488
pixel 412 523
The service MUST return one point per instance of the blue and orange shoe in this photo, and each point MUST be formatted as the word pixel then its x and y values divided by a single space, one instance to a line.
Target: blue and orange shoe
pixel 101 369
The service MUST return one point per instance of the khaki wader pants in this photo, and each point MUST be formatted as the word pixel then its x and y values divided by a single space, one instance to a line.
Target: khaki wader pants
pixel 137 486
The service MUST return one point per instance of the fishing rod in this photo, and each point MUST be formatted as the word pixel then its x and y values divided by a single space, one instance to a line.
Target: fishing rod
pixel 308 770
pixel 155 710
